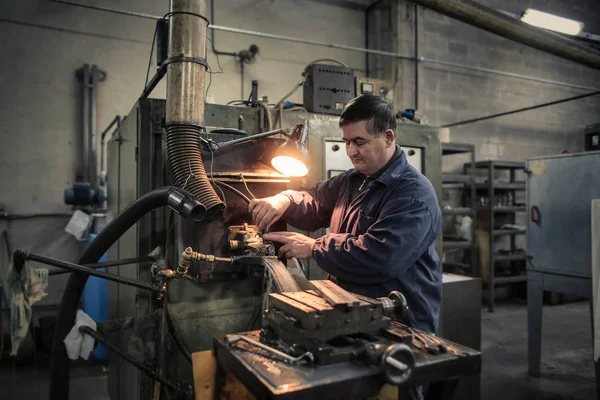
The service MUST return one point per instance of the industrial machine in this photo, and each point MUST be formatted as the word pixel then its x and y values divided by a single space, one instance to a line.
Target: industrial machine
pixel 560 192
pixel 176 185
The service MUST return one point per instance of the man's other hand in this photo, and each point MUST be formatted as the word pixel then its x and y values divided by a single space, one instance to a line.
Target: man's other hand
pixel 268 210
pixel 294 244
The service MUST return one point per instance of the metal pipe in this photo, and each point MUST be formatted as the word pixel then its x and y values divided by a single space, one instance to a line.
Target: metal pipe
pixel 80 268
pixel 212 35
pixel 94 80
pixel 85 139
pixel 493 21
pixel 184 115
pixel 116 120
pixel 504 73
pixel 416 49
pixel 344 47
pixel 125 261
pixel 551 103
pixel 130 13
pixel 138 364
pixel 29 216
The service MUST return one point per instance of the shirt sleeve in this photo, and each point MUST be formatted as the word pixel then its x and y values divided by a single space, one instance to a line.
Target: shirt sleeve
pixel 311 210
pixel 390 246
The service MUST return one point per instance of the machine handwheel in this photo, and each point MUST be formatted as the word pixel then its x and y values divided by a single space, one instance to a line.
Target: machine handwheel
pixel 397 363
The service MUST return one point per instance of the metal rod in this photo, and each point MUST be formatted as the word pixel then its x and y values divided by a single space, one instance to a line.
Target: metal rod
pixel 154 81
pixel 504 73
pixel 343 47
pixel 93 121
pixel 493 21
pixel 416 49
pixel 231 143
pixel 85 139
pixel 80 268
pixel 116 120
pixel 29 216
pixel 162 355
pixel 107 264
pixel 133 361
pixel 131 13
pixel 232 339
pixel 469 121
pixel 399 365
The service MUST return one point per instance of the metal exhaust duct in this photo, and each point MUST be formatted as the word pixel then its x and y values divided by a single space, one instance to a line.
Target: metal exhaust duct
pixel 186 72
pixel 494 21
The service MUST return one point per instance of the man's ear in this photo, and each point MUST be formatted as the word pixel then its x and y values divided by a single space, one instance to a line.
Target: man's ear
pixel 390 137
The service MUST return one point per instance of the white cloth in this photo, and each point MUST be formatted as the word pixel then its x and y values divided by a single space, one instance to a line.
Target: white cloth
pixel 596 275
pixel 79 224
pixel 78 344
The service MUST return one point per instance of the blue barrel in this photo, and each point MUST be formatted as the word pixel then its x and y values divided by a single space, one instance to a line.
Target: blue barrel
pixel 95 302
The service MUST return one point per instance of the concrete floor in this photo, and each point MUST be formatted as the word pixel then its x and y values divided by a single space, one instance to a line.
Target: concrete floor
pixel 567 362
pixel 567 367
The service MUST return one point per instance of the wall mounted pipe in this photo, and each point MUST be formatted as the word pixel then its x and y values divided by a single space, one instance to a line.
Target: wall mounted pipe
pixel 343 47
pixel 184 119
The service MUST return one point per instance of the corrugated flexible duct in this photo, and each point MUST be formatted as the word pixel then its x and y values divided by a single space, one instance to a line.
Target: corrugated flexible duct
pixel 185 100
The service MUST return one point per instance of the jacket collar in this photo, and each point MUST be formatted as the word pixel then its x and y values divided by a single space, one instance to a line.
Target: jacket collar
pixel 391 171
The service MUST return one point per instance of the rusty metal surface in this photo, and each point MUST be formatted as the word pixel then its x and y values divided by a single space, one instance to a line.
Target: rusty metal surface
pixel 266 377
pixel 335 295
pixel 308 320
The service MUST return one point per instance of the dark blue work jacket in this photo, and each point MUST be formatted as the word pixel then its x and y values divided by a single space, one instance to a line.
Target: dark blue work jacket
pixel 381 241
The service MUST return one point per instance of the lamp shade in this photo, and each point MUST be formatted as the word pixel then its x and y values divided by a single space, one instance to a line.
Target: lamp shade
pixel 291 159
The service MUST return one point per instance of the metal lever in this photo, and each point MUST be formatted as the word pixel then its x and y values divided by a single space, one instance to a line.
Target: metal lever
pixel 400 371
pixel 232 339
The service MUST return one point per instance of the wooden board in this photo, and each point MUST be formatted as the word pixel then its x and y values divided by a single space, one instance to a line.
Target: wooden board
pixel 204 366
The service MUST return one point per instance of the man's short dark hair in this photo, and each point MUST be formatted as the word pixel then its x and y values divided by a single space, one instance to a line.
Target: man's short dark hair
pixel 378 113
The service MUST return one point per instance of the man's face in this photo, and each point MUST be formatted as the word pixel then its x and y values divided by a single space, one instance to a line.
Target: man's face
pixel 368 153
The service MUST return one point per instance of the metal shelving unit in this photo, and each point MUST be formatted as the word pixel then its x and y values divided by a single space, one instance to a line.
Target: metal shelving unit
pixel 469 260
pixel 495 209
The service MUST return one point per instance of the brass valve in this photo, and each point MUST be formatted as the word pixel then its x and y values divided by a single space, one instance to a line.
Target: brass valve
pixel 189 256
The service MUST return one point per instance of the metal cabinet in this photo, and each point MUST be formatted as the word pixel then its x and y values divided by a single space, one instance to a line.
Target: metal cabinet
pixel 560 190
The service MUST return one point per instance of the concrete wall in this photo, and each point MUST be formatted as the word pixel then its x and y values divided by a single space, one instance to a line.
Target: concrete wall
pixel 47 42
pixel 43 43
pixel 449 94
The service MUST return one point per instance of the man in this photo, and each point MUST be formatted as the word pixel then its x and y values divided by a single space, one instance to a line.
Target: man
pixel 383 217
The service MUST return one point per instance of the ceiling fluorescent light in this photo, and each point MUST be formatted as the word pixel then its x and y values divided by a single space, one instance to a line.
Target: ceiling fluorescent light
pixel 552 22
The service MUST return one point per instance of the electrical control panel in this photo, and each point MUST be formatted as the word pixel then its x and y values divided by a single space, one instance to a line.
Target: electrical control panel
pixel 378 87
pixel 328 88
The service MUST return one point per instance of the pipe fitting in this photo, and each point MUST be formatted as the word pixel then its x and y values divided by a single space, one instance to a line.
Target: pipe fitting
pixel 185 205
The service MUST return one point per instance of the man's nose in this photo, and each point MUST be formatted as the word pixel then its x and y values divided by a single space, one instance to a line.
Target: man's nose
pixel 351 149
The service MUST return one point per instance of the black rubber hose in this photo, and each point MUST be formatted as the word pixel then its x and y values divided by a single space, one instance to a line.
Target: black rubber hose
pixel 181 202
pixel 187 168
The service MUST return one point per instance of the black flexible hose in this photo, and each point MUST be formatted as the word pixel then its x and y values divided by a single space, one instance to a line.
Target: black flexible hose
pixel 179 200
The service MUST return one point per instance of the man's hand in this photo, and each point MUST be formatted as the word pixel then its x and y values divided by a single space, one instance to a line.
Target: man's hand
pixel 294 244
pixel 268 210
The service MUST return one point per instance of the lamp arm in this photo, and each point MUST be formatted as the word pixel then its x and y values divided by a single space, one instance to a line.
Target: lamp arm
pixel 210 144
